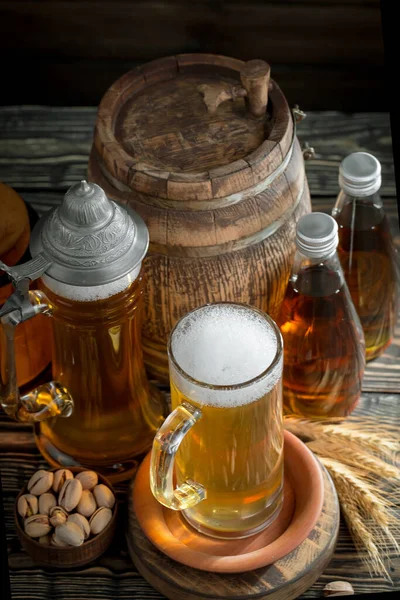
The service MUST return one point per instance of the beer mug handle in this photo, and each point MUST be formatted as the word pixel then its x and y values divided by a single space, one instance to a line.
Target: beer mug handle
pixel 165 446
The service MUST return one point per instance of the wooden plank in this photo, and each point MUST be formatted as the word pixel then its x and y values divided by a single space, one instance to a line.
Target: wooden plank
pixel 306 33
pixel 47 148
pixel 113 575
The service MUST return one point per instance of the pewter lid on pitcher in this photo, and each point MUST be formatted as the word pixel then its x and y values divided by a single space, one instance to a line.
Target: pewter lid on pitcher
pixel 89 239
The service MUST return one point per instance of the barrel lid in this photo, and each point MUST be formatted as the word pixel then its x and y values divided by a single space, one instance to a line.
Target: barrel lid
pixel 157 132
pixel 90 239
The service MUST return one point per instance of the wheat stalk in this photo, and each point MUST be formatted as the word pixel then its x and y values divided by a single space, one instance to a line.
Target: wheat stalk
pixel 373 468
pixel 371 503
pixel 364 541
pixel 360 501
pixel 379 439
pixel 359 454
pixel 369 440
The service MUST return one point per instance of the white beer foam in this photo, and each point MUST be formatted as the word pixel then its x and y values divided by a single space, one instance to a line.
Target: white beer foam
pixel 225 345
pixel 90 293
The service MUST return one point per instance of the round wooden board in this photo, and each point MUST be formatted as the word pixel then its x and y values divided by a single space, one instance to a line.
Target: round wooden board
pixel 284 580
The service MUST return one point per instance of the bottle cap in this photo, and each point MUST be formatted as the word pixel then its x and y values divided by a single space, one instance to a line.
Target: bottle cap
pixel 317 235
pixel 360 174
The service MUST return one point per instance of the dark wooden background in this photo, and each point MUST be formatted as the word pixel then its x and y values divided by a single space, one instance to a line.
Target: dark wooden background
pixel 325 54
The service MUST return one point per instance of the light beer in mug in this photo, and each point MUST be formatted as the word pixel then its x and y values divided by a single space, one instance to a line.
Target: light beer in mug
pixel 224 438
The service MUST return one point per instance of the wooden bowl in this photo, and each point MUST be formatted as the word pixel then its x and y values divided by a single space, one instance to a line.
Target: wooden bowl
pixel 71 556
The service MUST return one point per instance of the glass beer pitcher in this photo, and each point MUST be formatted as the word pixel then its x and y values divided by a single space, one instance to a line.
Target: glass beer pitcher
pixel 88 254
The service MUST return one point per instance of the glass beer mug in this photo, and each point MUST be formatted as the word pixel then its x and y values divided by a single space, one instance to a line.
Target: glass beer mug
pixel 223 441
pixel 88 254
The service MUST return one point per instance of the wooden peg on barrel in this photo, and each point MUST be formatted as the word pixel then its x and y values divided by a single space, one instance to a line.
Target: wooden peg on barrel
pixel 255 76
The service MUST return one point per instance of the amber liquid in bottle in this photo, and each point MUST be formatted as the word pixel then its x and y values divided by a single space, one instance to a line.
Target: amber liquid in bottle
pixel 368 260
pixel 323 343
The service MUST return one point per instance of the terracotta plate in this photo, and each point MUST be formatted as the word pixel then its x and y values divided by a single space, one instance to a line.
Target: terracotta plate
pixel 303 499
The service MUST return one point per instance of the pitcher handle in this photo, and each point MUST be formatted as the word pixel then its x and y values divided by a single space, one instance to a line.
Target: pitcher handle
pixel 48 400
pixel 165 446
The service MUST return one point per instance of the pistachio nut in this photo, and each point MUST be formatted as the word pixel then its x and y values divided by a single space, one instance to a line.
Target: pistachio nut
pixel 88 479
pixel 45 540
pixel 47 501
pixel 70 494
pixel 104 496
pixel 40 482
pixel 338 588
pixel 58 516
pixel 100 519
pixel 69 533
pixel 37 526
pixel 27 505
pixel 82 522
pixel 87 504
pixel 60 477
pixel 56 542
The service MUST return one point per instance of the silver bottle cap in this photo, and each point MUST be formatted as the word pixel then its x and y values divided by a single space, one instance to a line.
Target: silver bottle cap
pixel 89 239
pixel 317 235
pixel 360 174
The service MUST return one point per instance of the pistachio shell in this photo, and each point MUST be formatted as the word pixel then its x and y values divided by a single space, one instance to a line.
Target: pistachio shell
pixel 104 496
pixel 338 588
pixel 87 504
pixel 27 505
pixel 69 533
pixel 100 519
pixel 82 522
pixel 88 479
pixel 40 482
pixel 70 494
pixel 47 501
pixel 37 526
pixel 60 477
pixel 56 542
pixel 45 540
pixel 58 516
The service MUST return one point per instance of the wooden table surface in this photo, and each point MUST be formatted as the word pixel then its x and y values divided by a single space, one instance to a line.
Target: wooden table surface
pixel 43 151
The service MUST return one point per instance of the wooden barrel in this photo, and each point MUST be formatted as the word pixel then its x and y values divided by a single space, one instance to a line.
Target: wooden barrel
pixel 204 148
